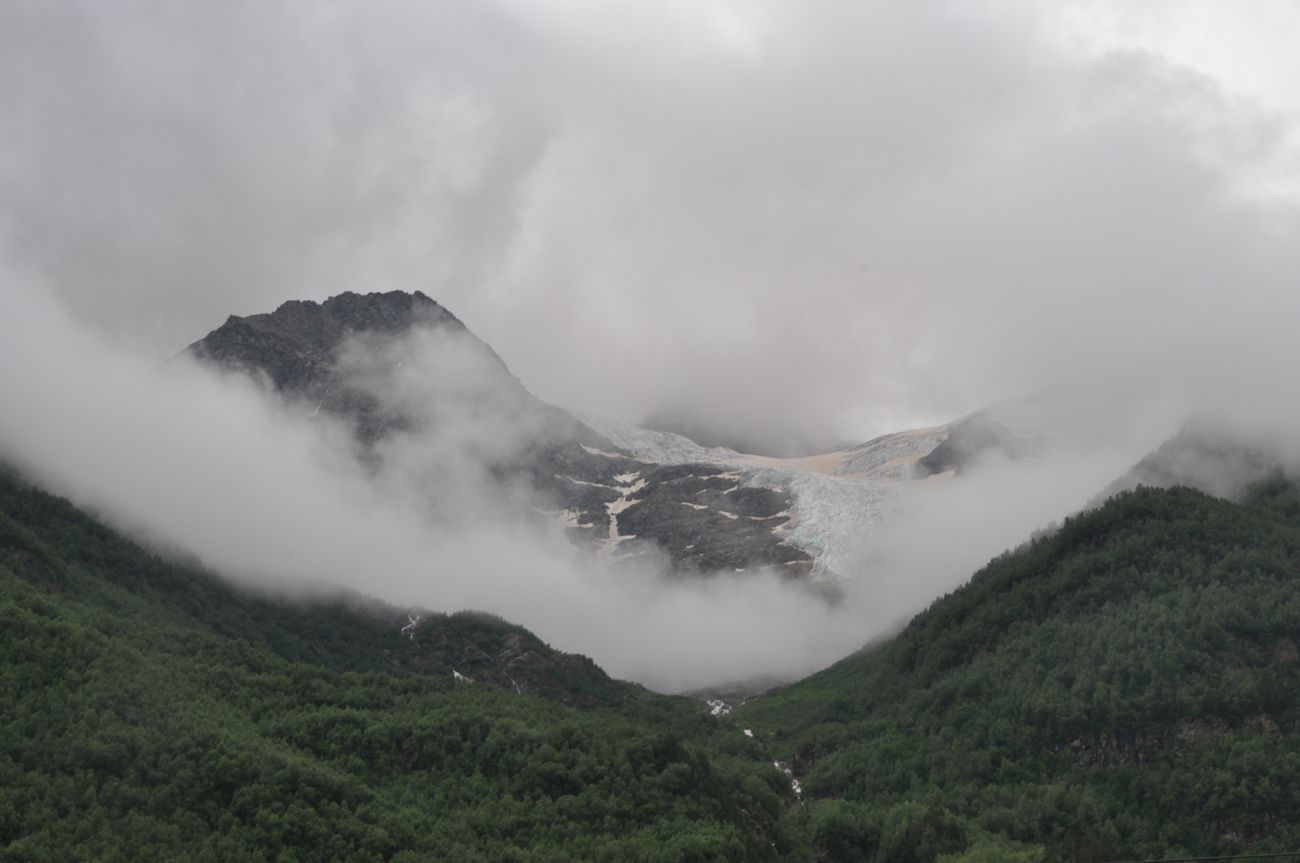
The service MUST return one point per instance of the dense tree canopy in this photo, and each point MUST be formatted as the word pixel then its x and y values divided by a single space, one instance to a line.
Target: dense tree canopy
pixel 1127 685
pixel 150 712
pixel 1123 686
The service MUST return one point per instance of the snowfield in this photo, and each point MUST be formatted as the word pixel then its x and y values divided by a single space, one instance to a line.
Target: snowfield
pixel 839 497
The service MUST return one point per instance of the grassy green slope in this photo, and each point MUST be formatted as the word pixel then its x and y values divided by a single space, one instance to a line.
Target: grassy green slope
pixel 1127 686
pixel 150 712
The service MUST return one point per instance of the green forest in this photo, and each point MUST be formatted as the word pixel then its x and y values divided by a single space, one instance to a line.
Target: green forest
pixel 1124 686
pixel 149 712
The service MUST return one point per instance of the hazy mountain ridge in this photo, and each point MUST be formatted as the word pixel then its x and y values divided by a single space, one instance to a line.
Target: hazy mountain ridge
pixel 618 489
pixel 1206 457
pixel 595 489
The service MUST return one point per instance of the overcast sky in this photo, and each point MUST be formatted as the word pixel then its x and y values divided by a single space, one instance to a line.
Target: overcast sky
pixel 827 219
pixel 816 220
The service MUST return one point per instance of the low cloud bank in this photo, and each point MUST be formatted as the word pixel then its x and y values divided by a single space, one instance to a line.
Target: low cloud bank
pixel 269 496
pixel 272 494
pixel 771 221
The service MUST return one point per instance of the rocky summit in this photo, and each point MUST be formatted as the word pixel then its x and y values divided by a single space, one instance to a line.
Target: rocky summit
pixel 296 348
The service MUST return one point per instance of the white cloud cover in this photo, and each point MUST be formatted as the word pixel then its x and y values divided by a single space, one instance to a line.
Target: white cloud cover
pixel 822 220
pixel 207 465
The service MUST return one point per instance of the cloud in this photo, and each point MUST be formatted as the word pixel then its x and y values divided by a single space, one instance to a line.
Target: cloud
pixel 806 222
pixel 267 494
pixel 271 494
pixel 166 167
pixel 782 221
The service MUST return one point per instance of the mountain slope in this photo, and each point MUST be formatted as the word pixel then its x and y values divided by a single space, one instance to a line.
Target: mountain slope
pixel 348 356
pixel 617 490
pixel 1126 687
pixel 151 712
pixel 1204 457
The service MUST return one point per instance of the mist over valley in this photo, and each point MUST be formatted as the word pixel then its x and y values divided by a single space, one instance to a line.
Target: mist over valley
pixel 659 432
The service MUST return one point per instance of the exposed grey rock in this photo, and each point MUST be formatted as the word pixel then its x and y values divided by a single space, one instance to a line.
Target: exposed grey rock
pixel 708 522
pixel 295 348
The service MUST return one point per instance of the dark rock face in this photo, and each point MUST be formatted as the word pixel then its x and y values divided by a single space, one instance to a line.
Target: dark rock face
pixel 296 348
pixel 709 522
pixel 698 514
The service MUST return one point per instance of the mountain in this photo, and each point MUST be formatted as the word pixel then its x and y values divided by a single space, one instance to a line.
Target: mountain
pixel 1008 431
pixel 150 711
pixel 605 497
pixel 1127 687
pixel 1123 688
pixel 296 349
pixel 1206 457
pixel 615 489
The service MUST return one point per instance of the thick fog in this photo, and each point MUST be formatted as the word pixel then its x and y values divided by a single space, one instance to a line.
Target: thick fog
pixel 827 220
pixel 783 223
pixel 213 466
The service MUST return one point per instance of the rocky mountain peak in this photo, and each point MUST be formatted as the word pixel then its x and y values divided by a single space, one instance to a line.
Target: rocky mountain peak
pixel 301 337
pixel 296 348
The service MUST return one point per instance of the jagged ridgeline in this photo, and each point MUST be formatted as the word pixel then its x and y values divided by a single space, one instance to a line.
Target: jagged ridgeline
pixel 150 711
pixel 1125 688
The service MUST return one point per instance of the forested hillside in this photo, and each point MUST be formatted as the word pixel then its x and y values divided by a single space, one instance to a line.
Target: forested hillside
pixel 1123 687
pixel 1127 686
pixel 150 712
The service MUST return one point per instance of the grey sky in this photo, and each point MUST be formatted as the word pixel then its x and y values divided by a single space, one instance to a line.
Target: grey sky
pixel 823 220
pixel 826 219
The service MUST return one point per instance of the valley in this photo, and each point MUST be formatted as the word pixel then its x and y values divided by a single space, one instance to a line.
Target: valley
pixel 589 432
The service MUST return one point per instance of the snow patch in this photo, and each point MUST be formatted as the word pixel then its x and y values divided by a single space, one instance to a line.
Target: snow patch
pixel 629 484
